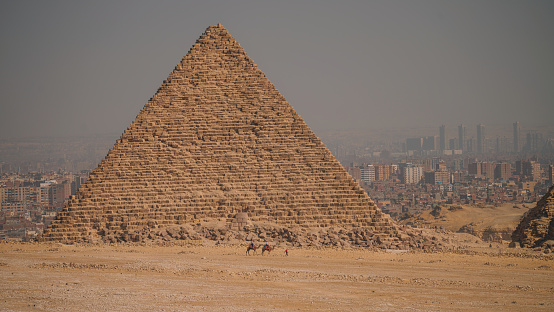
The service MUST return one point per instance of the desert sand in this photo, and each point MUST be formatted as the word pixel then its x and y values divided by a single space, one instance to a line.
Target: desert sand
pixel 454 217
pixel 205 277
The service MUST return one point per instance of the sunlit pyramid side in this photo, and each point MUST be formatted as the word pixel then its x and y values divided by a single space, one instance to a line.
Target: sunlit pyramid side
pixel 218 141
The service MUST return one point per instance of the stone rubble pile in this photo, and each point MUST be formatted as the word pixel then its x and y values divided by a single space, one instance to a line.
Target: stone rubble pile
pixel 296 236
pixel 218 140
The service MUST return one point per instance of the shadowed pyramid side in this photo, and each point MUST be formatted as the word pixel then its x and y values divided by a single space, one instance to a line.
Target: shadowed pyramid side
pixel 537 225
pixel 217 139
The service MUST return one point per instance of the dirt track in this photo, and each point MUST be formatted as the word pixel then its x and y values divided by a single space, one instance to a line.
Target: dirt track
pixel 55 277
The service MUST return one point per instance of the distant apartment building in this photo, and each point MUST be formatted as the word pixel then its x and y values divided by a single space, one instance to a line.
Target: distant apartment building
pixel 442 175
pixel 437 177
pixel 18 194
pixel 503 171
pixel 482 170
pixel 429 164
pixel 76 183
pixel 551 174
pixel 410 173
pixel 382 172
pixel 13 208
pixel 440 166
pixel 367 174
pixel 393 169
pixel 356 173
pixel 519 167
pixel 487 170
pixel 474 169
pixel 43 194
pixel 458 176
pixel 457 164
pixel 531 170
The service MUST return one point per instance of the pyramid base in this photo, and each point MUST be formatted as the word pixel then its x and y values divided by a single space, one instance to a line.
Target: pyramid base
pixel 223 232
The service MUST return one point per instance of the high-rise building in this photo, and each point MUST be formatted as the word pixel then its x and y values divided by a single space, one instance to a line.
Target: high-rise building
pixel 441 166
pixel 480 138
pixel 474 169
pixel 551 174
pixel 453 144
pixel 531 170
pixel 462 137
pixel 503 171
pixel 502 145
pixel 356 173
pixel 382 172
pixel 437 177
pixel 487 170
pixel 517 130
pixel 442 138
pixel 410 173
pixel 59 193
pixel 414 144
pixel 534 142
pixel 471 144
pixel 458 176
pixel 3 193
pixel 368 174
pixel 430 143
pixel 430 164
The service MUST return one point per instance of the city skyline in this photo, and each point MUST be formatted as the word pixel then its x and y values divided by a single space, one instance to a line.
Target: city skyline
pixel 88 68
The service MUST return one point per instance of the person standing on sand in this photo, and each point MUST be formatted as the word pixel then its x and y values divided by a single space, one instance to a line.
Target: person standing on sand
pixel 286 252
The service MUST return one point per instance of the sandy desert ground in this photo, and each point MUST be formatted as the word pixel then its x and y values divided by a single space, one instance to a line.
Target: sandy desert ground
pixel 193 277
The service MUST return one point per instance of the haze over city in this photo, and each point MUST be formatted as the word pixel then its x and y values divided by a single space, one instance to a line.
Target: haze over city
pixel 426 183
pixel 87 68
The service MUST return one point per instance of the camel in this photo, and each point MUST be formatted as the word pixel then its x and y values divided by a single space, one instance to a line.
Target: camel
pixel 267 248
pixel 252 247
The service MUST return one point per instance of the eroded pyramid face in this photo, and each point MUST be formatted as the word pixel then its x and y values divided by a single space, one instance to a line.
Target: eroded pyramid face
pixel 217 139
pixel 536 228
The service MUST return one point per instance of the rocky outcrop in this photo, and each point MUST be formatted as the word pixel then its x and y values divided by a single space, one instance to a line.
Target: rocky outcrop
pixel 537 225
pixel 215 141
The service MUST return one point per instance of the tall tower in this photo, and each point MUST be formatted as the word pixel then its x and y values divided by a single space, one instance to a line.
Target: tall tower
pixel 480 138
pixel 517 130
pixel 462 137
pixel 442 138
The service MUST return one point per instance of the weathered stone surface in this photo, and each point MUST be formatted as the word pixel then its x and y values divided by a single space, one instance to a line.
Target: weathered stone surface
pixel 537 226
pixel 218 141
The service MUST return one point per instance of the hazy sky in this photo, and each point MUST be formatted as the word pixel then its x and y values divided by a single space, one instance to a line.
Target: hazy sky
pixel 88 67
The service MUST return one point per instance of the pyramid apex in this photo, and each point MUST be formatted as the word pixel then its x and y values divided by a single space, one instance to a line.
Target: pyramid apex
pixel 217 26
pixel 216 29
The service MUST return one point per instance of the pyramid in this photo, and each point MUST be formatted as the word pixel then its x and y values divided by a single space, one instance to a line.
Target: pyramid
pixel 537 225
pixel 216 141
